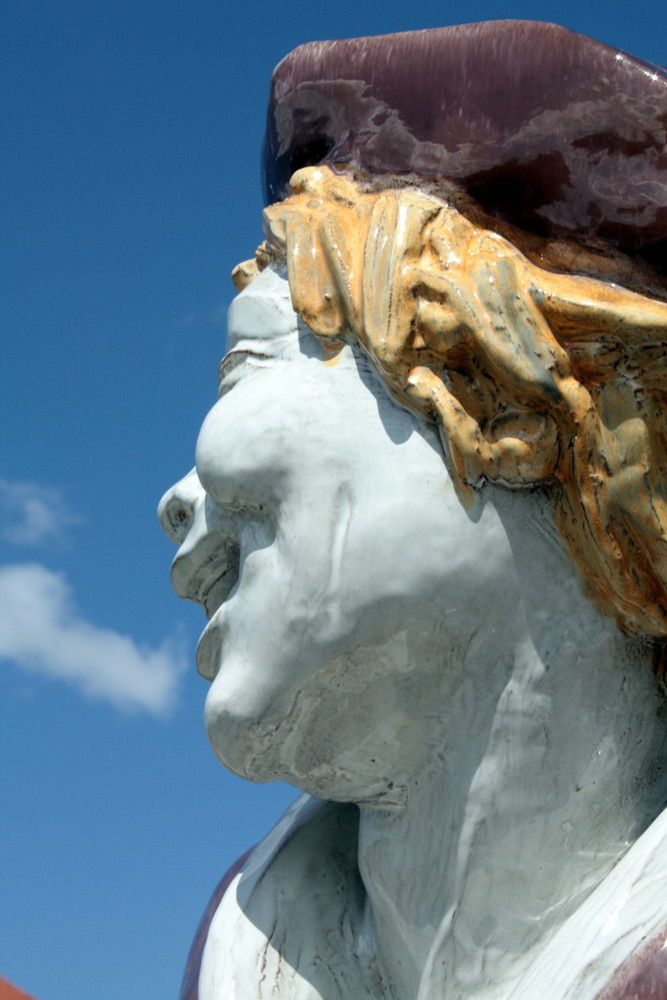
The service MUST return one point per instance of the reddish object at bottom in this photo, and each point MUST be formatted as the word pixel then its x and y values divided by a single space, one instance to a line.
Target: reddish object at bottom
pixel 10 992
pixel 190 984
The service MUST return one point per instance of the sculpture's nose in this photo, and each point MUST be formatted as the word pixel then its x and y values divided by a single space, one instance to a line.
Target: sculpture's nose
pixel 177 508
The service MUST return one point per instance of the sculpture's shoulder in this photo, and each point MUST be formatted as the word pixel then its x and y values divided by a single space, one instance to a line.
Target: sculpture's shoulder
pixel 290 916
pixel 614 947
pixel 190 984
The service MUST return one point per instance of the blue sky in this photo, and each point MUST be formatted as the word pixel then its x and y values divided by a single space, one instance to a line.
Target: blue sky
pixel 130 187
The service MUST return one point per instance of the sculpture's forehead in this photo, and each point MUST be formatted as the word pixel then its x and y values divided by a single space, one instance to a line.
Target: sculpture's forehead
pixel 261 322
pixel 557 133
pixel 262 311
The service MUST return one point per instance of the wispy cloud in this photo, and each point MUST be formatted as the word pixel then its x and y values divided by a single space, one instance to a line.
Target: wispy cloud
pixel 42 632
pixel 214 317
pixel 32 514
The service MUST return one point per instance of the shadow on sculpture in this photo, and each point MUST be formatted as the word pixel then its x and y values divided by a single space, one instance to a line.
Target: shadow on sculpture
pixel 427 524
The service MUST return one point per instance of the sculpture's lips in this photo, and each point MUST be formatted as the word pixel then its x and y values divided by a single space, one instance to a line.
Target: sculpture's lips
pixel 219 589
pixel 215 591
pixel 207 571
pixel 228 371
pixel 209 647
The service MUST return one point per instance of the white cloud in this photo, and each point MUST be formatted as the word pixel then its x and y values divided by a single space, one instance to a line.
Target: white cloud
pixel 42 632
pixel 31 514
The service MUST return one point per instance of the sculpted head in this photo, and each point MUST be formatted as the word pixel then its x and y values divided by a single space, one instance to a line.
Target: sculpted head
pixel 397 352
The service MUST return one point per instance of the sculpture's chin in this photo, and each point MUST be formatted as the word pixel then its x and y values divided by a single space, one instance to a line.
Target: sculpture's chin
pixel 253 727
pixel 311 737
pixel 261 745
pixel 239 739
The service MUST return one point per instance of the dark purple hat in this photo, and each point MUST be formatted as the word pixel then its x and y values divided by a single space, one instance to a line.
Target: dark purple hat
pixel 551 131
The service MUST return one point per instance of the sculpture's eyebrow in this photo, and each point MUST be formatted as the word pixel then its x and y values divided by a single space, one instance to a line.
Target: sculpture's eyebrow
pixel 236 357
pixel 241 357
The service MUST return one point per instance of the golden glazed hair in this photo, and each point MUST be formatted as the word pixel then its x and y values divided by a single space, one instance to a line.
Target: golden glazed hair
pixel 533 377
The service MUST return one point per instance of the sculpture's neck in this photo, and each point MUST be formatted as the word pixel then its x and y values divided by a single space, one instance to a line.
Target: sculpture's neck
pixel 532 787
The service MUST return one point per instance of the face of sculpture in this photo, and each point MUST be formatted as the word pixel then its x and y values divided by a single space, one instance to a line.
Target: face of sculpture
pixel 322 535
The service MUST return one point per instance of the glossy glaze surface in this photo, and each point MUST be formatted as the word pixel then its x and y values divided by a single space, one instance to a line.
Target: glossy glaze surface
pixel 552 131
pixel 482 749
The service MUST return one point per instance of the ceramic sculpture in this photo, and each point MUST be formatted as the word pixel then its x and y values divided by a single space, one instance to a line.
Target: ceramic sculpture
pixel 428 526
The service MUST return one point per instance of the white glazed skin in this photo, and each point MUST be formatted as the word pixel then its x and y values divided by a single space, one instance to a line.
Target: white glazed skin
pixel 379 647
